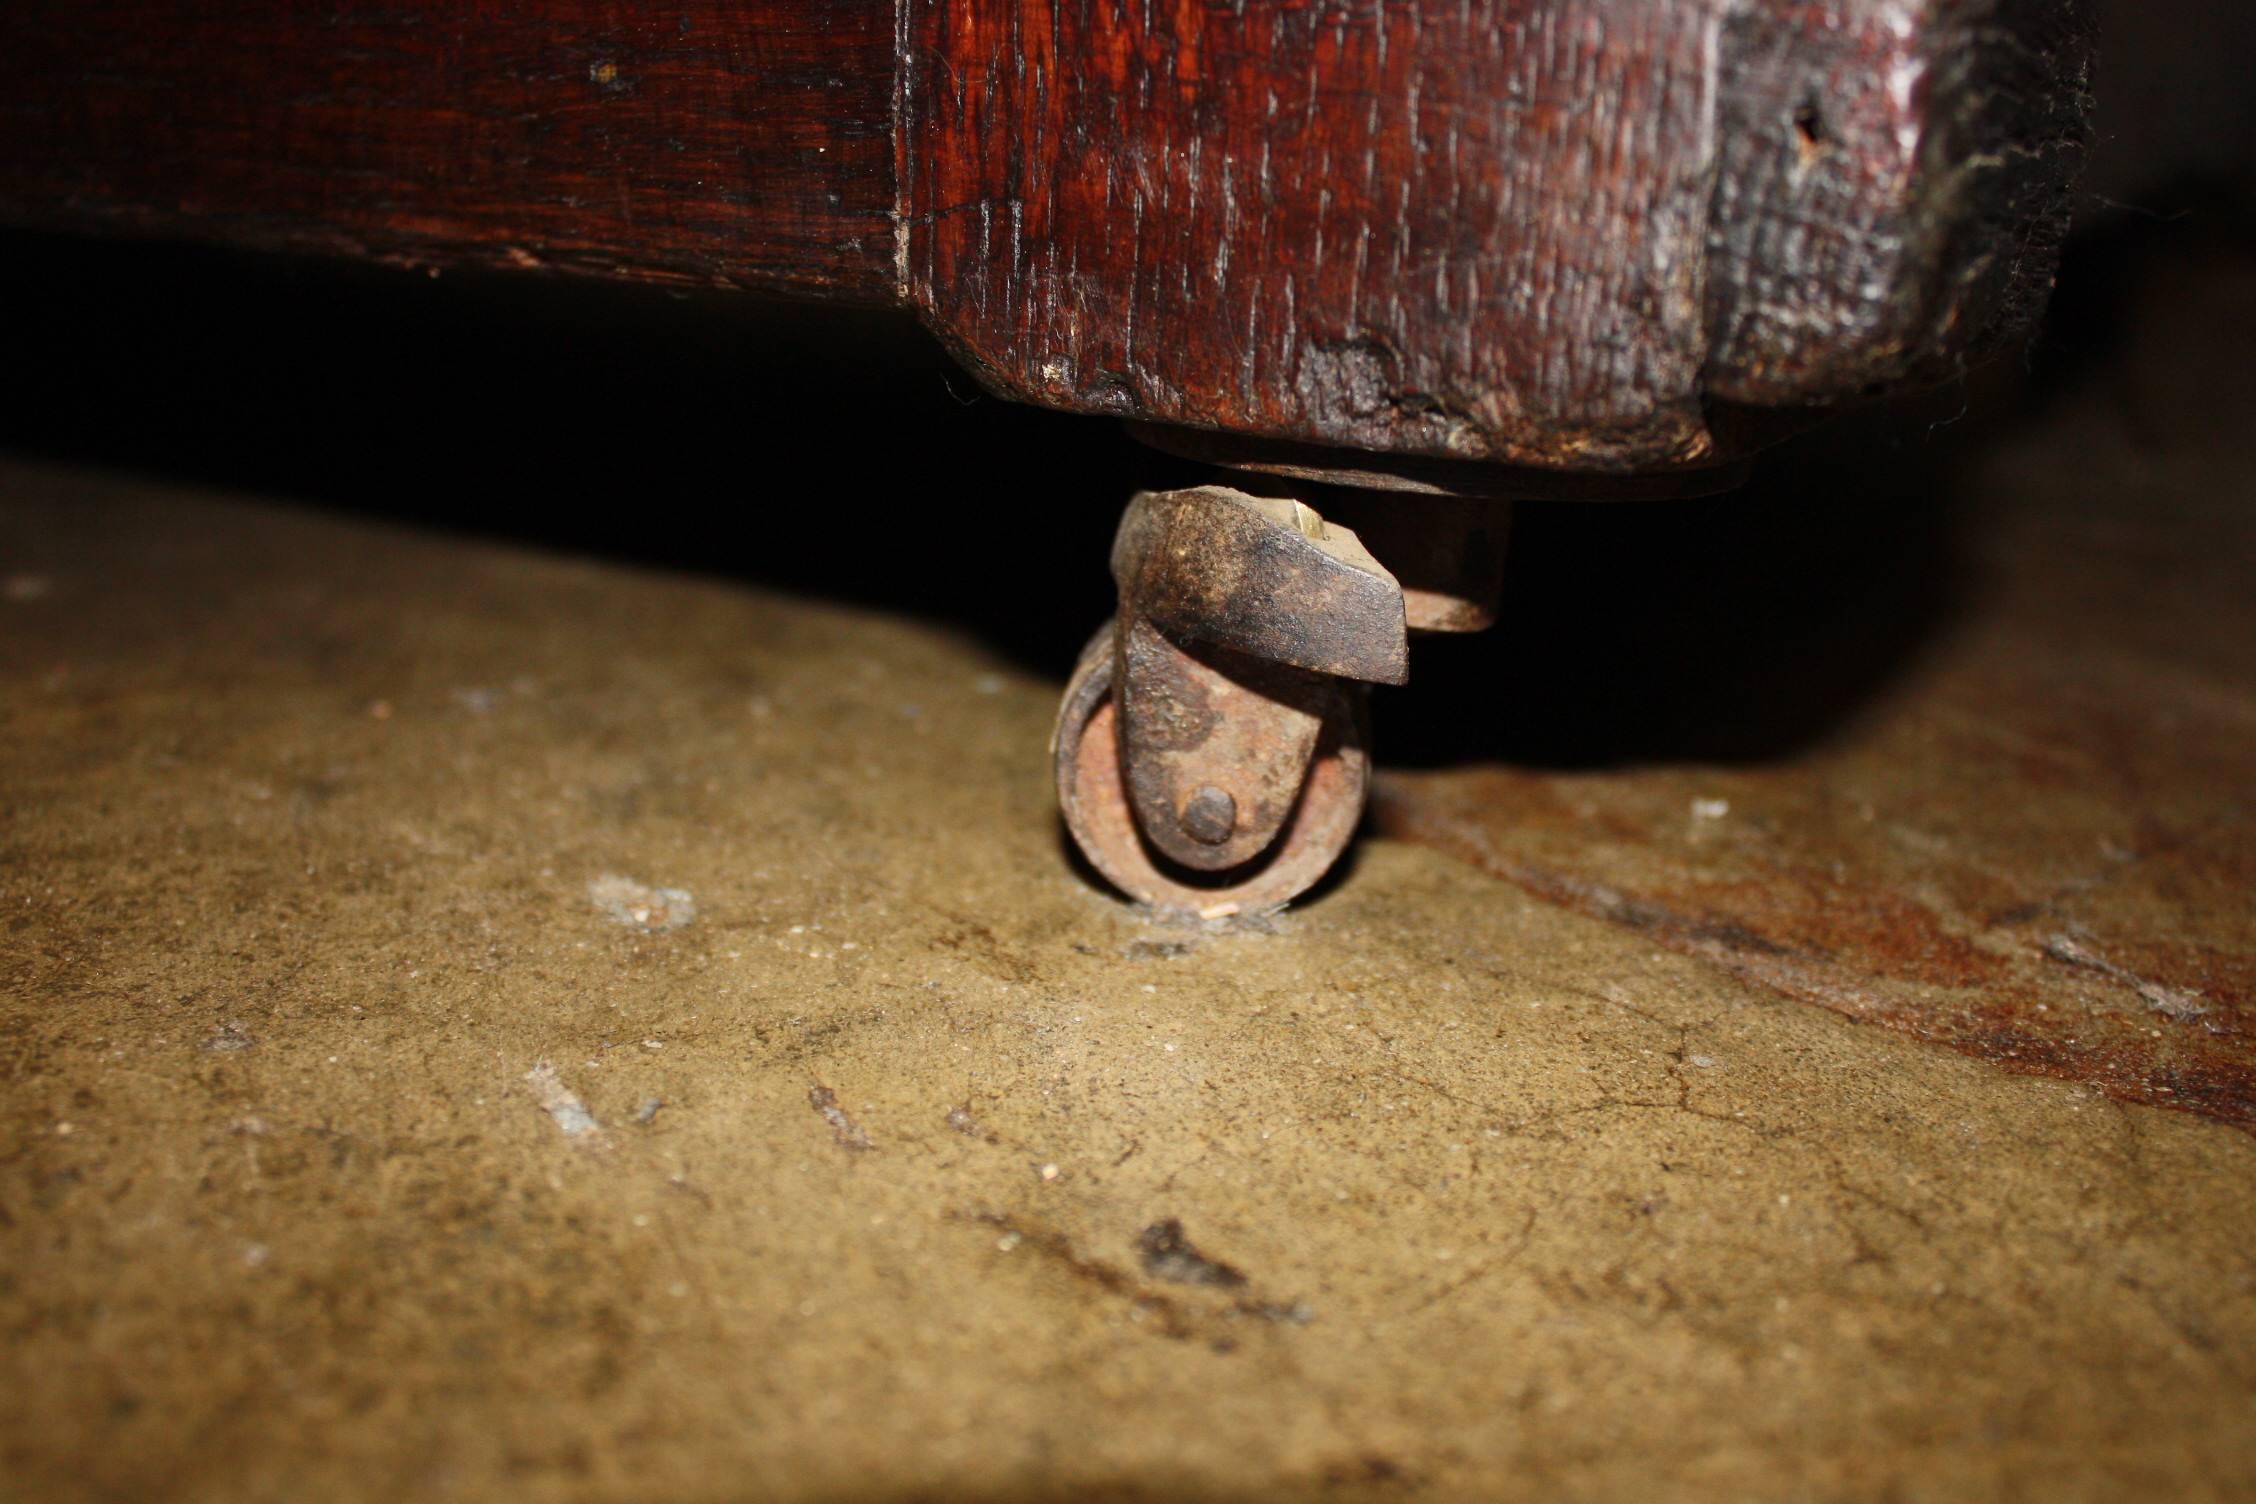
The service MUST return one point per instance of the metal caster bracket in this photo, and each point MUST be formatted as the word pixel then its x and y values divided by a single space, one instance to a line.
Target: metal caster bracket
pixel 1212 750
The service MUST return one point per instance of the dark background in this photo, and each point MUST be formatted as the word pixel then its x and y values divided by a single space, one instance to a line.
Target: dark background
pixel 838 453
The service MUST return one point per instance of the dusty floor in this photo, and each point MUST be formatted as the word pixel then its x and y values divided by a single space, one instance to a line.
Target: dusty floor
pixel 480 1025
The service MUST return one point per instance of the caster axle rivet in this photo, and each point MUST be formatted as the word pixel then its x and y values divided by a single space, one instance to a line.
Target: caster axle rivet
pixel 1210 815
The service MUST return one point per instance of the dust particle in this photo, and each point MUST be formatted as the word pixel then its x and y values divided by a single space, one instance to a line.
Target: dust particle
pixel 558 1101
pixel 639 906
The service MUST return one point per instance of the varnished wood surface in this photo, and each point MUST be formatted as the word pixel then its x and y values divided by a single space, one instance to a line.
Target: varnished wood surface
pixel 1545 232
pixel 1607 235
pixel 705 141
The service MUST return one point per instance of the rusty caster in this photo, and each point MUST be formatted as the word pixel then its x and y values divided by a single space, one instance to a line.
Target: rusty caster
pixel 1213 748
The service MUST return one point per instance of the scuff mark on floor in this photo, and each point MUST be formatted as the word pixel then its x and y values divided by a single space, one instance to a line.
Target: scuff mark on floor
pixel 1167 1256
pixel 1170 1256
pixel 2179 1003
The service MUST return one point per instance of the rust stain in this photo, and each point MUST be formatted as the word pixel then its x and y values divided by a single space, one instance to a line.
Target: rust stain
pixel 1851 940
pixel 1808 912
pixel 2034 850
pixel 2034 842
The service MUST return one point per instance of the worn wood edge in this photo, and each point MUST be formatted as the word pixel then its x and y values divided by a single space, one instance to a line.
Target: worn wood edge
pixel 1955 272
pixel 1990 209
pixel 1960 268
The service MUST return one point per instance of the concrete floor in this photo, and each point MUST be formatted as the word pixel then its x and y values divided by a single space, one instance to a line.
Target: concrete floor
pixel 2030 839
pixel 475 1024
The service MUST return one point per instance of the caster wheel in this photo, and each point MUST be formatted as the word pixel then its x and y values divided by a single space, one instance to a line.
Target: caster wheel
pixel 1093 797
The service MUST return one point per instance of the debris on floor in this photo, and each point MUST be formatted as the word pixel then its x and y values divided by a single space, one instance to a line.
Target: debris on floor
pixel 641 906
pixel 559 1102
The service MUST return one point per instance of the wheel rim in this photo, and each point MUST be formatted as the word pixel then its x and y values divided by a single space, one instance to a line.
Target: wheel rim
pixel 1094 801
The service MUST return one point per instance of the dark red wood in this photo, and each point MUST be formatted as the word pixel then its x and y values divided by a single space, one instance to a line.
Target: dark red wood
pixel 1575 234
pixel 1545 232
pixel 1891 186
pixel 729 142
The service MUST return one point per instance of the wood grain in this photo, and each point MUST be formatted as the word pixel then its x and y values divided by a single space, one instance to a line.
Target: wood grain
pixel 1545 232
pixel 705 141
pixel 1596 235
